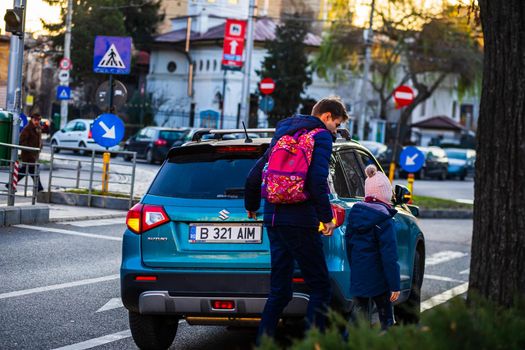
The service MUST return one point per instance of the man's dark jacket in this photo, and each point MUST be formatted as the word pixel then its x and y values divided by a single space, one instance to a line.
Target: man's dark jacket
pixel 31 136
pixel 372 250
pixel 317 208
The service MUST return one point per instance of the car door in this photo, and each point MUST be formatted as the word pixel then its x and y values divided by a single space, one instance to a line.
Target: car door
pixel 65 135
pixel 136 145
pixel 78 133
pixel 402 222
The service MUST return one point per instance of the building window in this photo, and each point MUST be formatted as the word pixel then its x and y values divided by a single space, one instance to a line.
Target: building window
pixel 214 65
pixel 207 65
pixel 200 65
pixel 423 108
pixel 454 107
pixel 172 66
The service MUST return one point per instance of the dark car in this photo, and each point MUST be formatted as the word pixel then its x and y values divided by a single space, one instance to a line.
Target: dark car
pixel 153 143
pixel 435 166
pixel 460 162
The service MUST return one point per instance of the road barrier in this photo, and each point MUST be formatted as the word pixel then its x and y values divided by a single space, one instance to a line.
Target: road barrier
pixel 66 173
pixel 15 169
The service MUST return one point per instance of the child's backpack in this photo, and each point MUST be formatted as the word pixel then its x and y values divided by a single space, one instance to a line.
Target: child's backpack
pixel 284 176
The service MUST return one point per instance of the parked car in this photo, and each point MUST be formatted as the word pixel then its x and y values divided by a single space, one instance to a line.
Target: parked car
pixel 381 152
pixel 190 252
pixel 153 143
pixel 435 166
pixel 460 162
pixel 77 133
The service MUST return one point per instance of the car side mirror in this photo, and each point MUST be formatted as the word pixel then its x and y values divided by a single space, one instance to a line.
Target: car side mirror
pixel 62 130
pixel 402 194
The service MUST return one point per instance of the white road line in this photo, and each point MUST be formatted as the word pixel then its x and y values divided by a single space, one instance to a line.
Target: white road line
pixel 58 286
pixel 88 344
pixel 464 272
pixel 441 278
pixel 444 256
pixel 113 303
pixel 91 343
pixel 90 223
pixel 69 232
pixel 443 297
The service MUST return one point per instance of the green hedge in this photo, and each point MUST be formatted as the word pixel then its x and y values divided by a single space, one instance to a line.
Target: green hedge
pixel 456 325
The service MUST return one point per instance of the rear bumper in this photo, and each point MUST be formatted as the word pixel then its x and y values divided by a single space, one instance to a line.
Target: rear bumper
pixel 161 302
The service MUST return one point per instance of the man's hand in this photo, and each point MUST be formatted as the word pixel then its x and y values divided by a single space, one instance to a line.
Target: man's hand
pixel 328 228
pixel 252 214
pixel 394 296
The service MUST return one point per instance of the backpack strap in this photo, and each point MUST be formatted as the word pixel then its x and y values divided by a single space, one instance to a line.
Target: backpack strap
pixel 316 131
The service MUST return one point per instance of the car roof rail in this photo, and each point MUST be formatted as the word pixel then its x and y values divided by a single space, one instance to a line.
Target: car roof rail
pixel 197 136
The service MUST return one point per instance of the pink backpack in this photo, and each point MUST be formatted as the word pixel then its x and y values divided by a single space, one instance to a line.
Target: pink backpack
pixel 284 176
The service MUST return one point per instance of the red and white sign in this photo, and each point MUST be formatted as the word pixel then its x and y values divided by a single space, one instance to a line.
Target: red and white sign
pixel 267 86
pixel 65 64
pixel 403 95
pixel 232 52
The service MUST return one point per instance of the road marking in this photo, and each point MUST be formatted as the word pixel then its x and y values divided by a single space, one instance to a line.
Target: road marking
pixel 464 272
pixel 465 201
pixel 69 232
pixel 58 286
pixel 443 297
pixel 90 223
pixel 444 256
pixel 113 303
pixel 441 278
pixel 91 343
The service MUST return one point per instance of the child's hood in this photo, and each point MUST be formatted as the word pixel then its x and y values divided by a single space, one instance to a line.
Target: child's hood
pixel 364 216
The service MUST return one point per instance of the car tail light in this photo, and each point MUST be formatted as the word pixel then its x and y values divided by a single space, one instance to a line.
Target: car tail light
pixel 146 278
pixel 161 142
pixel 223 304
pixel 298 280
pixel 143 217
pixel 232 149
pixel 90 134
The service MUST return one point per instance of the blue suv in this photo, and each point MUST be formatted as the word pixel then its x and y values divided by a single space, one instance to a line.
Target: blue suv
pixel 190 252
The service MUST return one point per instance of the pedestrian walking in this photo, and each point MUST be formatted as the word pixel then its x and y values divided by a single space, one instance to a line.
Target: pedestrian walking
pixel 31 136
pixel 372 249
pixel 291 215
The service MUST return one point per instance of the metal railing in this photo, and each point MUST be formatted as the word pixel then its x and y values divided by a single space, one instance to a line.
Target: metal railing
pixel 7 166
pixel 70 176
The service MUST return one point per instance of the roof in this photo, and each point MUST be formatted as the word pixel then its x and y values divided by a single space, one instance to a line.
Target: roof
pixel 439 122
pixel 264 30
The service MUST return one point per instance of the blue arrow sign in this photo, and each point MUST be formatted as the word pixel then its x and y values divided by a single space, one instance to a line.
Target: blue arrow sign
pixel 23 121
pixel 107 130
pixel 266 104
pixel 112 55
pixel 411 159
pixel 63 92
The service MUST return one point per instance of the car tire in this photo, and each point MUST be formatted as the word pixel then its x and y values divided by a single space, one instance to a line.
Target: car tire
pixel 55 143
pixel 409 312
pixel 463 176
pixel 84 151
pixel 152 332
pixel 422 174
pixel 149 156
pixel 443 175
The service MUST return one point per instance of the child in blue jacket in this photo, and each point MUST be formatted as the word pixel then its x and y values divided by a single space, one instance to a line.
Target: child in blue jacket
pixel 372 248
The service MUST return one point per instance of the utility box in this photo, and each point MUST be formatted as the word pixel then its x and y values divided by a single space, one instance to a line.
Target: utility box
pixel 55 123
pixel 6 127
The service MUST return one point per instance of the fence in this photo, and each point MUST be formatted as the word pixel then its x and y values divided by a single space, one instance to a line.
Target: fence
pixel 68 173
pixel 15 170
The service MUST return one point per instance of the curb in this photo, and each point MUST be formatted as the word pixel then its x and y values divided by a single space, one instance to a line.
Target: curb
pixel 81 200
pixel 445 214
pixel 91 217
pixel 24 214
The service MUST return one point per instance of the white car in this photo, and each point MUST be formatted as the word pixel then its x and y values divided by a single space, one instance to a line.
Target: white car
pixel 77 133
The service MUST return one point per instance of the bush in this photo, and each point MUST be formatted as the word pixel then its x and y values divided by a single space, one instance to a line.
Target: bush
pixel 457 325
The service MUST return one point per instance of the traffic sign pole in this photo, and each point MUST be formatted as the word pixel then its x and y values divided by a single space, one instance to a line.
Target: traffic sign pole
pixel 105 172
pixel 410 180
pixel 111 93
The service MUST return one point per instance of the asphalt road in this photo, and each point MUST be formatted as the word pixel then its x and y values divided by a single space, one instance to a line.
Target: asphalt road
pixel 61 289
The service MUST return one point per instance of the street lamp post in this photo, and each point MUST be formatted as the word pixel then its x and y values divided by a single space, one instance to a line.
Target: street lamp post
pixel 248 65
pixel 67 55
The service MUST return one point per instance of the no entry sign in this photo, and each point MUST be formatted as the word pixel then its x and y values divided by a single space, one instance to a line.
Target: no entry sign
pixel 403 95
pixel 267 86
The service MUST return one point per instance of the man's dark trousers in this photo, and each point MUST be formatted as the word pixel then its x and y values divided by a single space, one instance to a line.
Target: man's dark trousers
pixel 304 245
pixel 30 170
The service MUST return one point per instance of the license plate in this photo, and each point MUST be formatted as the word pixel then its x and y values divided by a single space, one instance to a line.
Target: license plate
pixel 221 233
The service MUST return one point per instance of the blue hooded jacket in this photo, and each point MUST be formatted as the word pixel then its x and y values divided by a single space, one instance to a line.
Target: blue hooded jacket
pixel 372 250
pixel 312 211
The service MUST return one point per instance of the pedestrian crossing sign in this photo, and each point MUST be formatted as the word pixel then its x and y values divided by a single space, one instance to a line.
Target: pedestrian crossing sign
pixel 112 55
pixel 63 93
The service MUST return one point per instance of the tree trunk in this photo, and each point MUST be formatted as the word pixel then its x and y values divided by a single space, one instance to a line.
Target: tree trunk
pixel 497 267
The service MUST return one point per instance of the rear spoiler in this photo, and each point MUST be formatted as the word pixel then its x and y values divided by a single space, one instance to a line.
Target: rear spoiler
pixel 219 133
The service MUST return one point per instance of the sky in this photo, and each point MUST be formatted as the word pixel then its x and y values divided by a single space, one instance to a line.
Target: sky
pixel 36 9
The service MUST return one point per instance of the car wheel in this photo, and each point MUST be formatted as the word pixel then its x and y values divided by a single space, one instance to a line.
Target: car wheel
pixel 149 156
pixel 152 332
pixel 55 143
pixel 443 175
pixel 422 174
pixel 409 311
pixel 126 157
pixel 463 176
pixel 82 152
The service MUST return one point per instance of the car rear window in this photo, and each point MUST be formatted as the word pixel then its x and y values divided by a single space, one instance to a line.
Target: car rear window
pixel 172 135
pixel 209 175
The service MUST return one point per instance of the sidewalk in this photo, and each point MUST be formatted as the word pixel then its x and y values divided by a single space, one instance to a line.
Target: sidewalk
pixel 61 213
